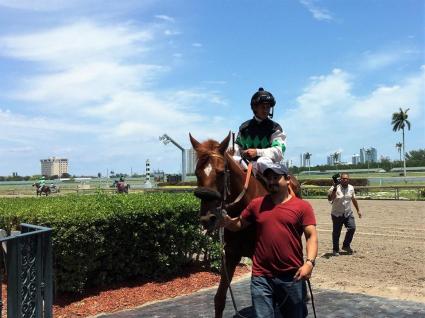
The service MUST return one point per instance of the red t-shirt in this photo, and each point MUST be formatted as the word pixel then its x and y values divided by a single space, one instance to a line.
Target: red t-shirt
pixel 278 247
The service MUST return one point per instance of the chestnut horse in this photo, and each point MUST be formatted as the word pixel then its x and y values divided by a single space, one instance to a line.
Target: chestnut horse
pixel 220 182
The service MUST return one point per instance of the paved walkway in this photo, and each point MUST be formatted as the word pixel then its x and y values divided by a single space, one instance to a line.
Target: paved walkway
pixel 329 304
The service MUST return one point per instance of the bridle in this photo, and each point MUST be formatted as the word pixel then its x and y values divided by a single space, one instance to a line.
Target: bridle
pixel 212 195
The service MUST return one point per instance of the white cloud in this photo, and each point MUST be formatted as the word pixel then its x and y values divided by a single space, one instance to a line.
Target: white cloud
pixel 165 18
pixel 373 61
pixel 323 93
pixel 78 43
pixel 169 32
pixel 329 114
pixel 384 100
pixel 39 5
pixel 88 83
pixel 320 14
pixel 196 44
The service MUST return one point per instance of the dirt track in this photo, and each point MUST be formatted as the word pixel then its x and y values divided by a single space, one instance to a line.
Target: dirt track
pixel 389 245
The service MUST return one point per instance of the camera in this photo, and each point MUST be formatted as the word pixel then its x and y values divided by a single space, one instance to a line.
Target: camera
pixel 336 178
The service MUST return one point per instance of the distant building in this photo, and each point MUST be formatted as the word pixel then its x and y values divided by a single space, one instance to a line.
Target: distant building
pixel 190 161
pixel 54 166
pixel 355 159
pixel 334 158
pixel 368 155
pixel 288 163
pixel 304 160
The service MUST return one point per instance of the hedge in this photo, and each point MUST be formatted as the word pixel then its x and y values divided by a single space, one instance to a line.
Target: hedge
pixel 101 239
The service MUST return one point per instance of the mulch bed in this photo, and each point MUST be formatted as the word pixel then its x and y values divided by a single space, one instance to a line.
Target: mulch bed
pixel 132 294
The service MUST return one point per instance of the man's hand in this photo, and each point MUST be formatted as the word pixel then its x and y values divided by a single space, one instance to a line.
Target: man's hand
pixel 360 214
pixel 225 220
pixel 250 153
pixel 304 272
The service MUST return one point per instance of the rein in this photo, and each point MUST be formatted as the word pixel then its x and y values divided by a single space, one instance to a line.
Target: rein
pixel 226 188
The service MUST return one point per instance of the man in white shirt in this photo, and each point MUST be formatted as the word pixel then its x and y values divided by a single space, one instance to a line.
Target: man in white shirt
pixel 340 195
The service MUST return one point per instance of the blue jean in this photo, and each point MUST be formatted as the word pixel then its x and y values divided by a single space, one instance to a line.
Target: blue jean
pixel 349 223
pixel 281 293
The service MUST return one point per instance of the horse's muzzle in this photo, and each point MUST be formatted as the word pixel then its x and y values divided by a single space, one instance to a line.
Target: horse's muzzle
pixel 207 194
pixel 211 220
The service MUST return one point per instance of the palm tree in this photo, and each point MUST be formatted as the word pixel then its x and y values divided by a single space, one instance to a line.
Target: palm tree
pixel 399 121
pixel 398 146
pixel 307 157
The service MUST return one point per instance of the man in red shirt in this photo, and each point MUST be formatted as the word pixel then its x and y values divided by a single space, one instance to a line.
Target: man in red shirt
pixel 279 270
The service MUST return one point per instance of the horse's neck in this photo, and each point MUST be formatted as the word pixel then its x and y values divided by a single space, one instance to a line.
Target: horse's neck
pixel 237 182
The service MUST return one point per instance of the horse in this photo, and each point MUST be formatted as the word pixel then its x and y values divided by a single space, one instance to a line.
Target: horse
pixel 121 186
pixel 41 189
pixel 220 183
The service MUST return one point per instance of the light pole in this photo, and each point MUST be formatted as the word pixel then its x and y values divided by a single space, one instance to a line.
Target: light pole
pixel 165 139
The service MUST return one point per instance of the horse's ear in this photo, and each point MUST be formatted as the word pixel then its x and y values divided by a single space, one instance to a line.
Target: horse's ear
pixel 224 144
pixel 194 142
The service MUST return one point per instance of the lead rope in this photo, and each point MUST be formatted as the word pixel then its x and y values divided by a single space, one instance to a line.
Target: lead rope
pixel 312 300
pixel 221 235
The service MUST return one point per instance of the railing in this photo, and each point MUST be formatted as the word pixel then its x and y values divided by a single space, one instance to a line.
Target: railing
pixel 368 191
pixel 28 268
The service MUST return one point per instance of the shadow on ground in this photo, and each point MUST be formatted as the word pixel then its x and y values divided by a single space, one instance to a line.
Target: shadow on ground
pixel 329 304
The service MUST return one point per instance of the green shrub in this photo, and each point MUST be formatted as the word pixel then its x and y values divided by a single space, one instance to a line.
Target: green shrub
pixel 100 239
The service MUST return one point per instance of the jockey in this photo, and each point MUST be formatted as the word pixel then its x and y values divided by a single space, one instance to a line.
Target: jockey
pixel 120 184
pixel 260 139
pixel 42 182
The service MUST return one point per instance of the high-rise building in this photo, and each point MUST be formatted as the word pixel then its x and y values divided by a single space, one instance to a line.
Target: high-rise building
pixel 355 159
pixel 368 155
pixel 190 161
pixel 54 166
pixel 305 159
pixel 334 158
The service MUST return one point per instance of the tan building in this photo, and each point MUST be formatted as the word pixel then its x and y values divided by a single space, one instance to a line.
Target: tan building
pixel 54 166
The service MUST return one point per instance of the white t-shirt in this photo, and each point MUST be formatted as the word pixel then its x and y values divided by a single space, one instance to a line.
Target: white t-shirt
pixel 341 205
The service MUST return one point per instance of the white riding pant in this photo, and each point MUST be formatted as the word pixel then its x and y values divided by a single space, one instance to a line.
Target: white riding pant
pixel 243 164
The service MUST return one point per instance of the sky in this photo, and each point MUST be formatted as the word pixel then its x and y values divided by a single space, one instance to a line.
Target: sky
pixel 98 82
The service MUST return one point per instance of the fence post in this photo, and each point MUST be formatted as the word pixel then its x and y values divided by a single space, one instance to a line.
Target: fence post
pixel 29 272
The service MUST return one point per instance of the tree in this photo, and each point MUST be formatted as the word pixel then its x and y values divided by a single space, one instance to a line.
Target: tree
pixel 399 122
pixel 417 155
pixel 398 146
pixel 416 158
pixel 307 157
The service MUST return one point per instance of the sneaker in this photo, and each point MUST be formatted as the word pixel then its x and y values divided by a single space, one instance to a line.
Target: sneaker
pixel 347 249
pixel 335 253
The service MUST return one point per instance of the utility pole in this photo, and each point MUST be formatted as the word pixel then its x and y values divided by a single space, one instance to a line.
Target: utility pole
pixel 165 139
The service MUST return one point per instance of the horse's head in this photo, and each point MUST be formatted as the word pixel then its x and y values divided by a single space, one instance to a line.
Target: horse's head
pixel 211 178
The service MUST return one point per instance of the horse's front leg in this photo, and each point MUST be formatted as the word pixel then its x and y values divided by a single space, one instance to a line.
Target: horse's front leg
pixel 225 280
